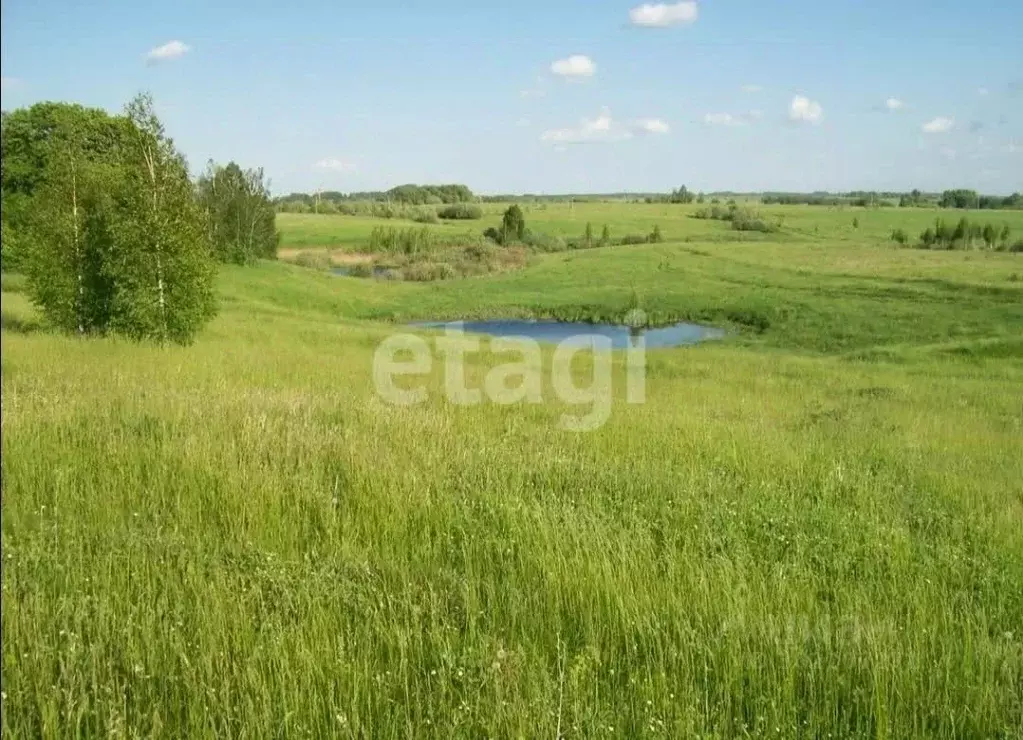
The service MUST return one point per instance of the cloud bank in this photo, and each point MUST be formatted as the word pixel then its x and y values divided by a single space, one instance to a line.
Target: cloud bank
pixel 604 128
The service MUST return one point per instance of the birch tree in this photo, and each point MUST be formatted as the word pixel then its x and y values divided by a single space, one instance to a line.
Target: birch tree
pixel 240 216
pixel 161 260
pixel 60 206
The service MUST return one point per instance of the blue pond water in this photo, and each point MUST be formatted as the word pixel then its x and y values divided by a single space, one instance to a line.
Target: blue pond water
pixel 555 332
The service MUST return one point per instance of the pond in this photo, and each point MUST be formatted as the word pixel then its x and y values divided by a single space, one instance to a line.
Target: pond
pixel 555 332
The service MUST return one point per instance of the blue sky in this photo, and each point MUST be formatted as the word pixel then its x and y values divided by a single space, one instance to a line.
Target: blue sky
pixel 553 96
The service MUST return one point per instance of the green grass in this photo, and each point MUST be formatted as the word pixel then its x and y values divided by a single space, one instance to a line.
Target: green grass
pixel 822 225
pixel 812 529
pixel 351 233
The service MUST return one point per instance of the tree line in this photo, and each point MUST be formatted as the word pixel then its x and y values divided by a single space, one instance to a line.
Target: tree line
pixel 962 198
pixel 957 198
pixel 100 214
pixel 400 195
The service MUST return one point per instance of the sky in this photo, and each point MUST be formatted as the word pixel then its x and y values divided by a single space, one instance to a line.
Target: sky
pixel 550 96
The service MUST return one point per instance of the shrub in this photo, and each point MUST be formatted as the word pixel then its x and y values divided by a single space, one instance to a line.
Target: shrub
pixel 754 320
pixel 461 211
pixel 409 241
pixel 316 260
pixel 629 239
pixel 424 216
pixel 899 236
pixel 428 271
pixel 545 242
pixel 655 235
pixel 513 224
pixel 744 219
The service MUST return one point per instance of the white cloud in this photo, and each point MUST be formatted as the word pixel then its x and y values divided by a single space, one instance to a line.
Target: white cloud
pixel 755 115
pixel 721 119
pixel 604 128
pixel 336 165
pixel 522 122
pixel 947 152
pixel 9 83
pixel 894 104
pixel 1012 148
pixel 170 50
pixel 652 126
pixel 983 91
pixel 751 88
pixel 576 66
pixel 805 110
pixel 601 128
pixel 663 15
pixel 939 125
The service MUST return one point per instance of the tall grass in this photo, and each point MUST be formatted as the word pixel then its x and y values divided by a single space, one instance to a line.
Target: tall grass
pixel 794 536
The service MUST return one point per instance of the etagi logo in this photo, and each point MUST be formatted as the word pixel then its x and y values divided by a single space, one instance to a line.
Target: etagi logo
pixel 519 380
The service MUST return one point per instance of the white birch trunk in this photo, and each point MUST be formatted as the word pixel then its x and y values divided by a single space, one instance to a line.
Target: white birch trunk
pixel 150 156
pixel 80 306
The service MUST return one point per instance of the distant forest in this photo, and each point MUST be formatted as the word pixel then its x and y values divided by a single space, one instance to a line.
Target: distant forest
pixel 331 201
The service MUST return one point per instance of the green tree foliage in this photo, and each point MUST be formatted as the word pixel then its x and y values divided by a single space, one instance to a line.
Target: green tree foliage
pixel 240 218
pixel 966 234
pixel 682 195
pixel 588 235
pixel 513 224
pixel 162 261
pixel 912 199
pixel 807 199
pixel 40 144
pixel 605 236
pixel 960 198
pixel 61 164
pixel 418 195
pixel 69 244
pixel 461 211
pixel 742 219
pixel 99 212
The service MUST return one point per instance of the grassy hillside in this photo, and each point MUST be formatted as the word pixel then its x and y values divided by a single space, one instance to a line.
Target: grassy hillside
pixel 813 527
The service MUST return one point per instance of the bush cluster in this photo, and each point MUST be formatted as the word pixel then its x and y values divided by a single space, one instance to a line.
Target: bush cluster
pixel 742 219
pixel 966 234
pixel 461 211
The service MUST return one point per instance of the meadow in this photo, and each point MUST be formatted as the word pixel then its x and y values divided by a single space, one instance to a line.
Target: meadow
pixel 813 528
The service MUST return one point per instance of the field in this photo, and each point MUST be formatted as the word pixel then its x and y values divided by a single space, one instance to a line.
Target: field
pixel 813 528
